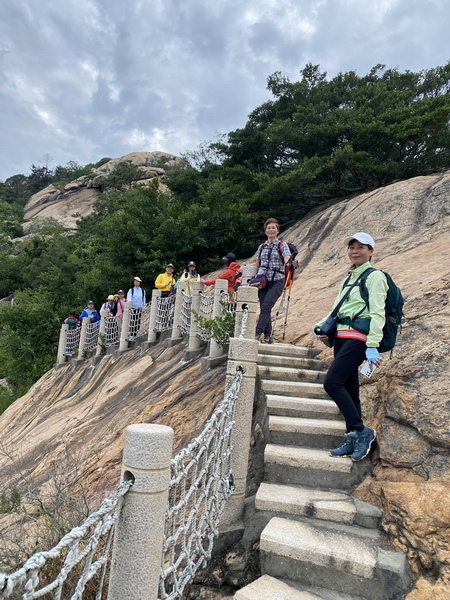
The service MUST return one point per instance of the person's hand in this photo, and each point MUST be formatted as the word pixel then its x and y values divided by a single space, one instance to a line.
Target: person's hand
pixel 373 356
pixel 203 280
pixel 316 335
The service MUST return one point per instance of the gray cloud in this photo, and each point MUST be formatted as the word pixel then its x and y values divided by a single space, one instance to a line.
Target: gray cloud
pixel 84 79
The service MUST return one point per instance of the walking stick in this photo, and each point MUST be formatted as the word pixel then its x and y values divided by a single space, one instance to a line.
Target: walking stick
pixel 291 272
pixel 287 283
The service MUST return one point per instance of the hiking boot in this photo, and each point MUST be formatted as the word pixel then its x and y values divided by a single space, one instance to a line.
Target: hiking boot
pixel 257 337
pixel 268 339
pixel 347 447
pixel 363 442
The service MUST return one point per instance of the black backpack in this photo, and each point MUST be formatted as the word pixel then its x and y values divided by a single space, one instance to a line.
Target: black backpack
pixel 393 309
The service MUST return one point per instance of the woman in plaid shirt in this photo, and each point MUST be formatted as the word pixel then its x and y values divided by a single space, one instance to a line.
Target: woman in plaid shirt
pixel 271 258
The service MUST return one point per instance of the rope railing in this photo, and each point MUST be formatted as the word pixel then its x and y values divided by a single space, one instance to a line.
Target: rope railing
pixel 164 313
pixel 206 311
pixel 201 482
pixel 87 545
pixel 243 327
pixel 92 336
pixel 139 319
pixel 185 316
pixel 113 325
pixel 72 341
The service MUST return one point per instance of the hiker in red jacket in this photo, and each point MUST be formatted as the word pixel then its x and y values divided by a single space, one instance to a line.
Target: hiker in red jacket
pixel 230 272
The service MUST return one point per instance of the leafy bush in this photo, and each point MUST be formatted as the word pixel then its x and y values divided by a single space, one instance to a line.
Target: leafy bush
pixel 219 328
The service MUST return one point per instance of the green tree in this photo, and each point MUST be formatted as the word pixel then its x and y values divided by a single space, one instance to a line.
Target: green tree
pixel 28 334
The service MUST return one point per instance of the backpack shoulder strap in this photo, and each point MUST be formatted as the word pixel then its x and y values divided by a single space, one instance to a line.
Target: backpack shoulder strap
pixel 363 287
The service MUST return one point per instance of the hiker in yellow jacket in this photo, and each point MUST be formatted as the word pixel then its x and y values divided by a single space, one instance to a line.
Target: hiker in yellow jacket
pixel 165 281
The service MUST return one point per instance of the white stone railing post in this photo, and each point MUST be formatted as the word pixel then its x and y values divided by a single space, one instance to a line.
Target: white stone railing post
pixel 220 286
pixel 242 352
pixel 176 333
pixel 139 535
pixel 61 357
pixel 81 348
pixel 194 341
pixel 125 329
pixel 248 271
pixel 247 303
pixel 152 333
pixel 101 336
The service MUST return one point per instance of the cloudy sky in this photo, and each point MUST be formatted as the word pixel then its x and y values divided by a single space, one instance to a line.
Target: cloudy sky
pixel 84 79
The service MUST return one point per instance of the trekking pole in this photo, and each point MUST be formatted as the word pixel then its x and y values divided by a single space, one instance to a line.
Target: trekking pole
pixel 280 306
pixel 291 272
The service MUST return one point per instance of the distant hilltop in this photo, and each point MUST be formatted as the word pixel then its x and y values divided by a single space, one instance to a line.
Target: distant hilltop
pixel 76 199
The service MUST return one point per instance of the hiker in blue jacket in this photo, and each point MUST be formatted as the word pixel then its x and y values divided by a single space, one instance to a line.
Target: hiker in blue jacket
pixel 90 311
pixel 355 341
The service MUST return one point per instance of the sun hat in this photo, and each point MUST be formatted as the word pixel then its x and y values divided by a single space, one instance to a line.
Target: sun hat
pixel 170 265
pixel 191 263
pixel 137 279
pixel 110 297
pixel 91 302
pixel 362 237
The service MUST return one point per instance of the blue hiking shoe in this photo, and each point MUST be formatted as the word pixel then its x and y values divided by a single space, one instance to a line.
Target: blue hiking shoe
pixel 363 442
pixel 347 447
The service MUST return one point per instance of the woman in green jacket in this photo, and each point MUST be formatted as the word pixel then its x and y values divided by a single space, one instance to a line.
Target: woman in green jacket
pixel 355 341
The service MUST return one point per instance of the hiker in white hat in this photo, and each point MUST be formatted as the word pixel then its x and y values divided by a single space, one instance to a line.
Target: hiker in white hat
pixel 354 328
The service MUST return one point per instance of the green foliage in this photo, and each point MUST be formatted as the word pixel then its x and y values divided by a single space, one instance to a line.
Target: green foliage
pixel 219 328
pixel 7 397
pixel 28 334
pixel 124 175
pixel 320 139
pixel 10 501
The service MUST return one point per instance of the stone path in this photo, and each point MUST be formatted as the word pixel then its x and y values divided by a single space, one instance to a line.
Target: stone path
pixel 317 541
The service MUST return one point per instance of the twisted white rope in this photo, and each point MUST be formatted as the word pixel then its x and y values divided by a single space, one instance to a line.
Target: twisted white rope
pixel 27 578
pixel 243 322
pixel 200 485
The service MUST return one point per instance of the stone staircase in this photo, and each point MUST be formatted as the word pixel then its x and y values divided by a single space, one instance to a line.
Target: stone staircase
pixel 317 541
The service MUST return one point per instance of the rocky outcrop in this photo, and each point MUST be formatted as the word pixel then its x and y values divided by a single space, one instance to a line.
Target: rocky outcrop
pixel 77 198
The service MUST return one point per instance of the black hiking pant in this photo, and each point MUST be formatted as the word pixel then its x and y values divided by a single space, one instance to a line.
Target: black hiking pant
pixel 342 380
pixel 267 298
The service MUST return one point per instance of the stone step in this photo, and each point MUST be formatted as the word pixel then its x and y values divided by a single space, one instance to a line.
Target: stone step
pixel 346 558
pixel 308 408
pixel 295 362
pixel 294 388
pixel 328 505
pixel 312 467
pixel 270 588
pixel 310 433
pixel 290 374
pixel 288 350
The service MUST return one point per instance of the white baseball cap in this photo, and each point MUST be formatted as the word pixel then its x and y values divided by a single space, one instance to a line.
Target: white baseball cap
pixel 362 237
